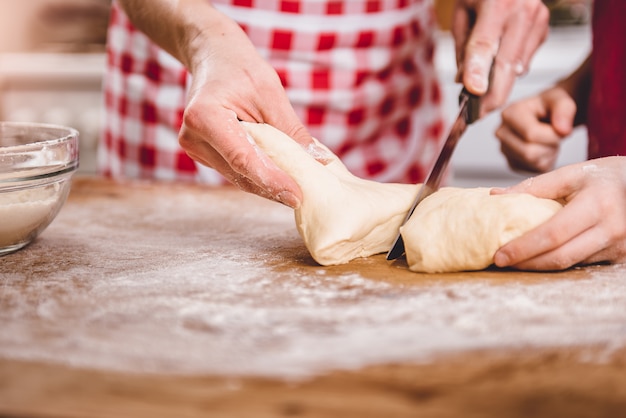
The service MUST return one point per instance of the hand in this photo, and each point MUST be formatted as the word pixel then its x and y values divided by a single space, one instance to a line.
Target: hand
pixel 509 31
pixel 233 82
pixel 591 227
pixel 230 82
pixel 532 129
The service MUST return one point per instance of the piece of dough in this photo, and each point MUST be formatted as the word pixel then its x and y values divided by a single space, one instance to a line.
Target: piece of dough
pixel 461 229
pixel 341 217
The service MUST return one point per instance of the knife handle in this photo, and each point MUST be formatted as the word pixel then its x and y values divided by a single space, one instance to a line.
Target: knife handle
pixel 472 113
pixel 472 109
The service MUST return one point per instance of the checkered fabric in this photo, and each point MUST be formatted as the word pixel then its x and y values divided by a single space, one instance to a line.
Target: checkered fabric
pixel 359 74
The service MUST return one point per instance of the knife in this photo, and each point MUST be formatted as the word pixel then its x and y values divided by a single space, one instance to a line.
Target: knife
pixel 470 106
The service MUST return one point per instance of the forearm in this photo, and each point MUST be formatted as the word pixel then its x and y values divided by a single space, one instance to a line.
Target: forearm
pixel 187 29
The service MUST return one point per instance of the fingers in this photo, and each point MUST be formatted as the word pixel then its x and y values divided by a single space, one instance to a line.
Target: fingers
pixel 615 253
pixel 532 130
pixel 220 142
pixel 232 82
pixel 590 228
pixel 536 36
pixel 220 96
pixel 461 28
pixel 527 157
pixel 480 44
pixel 601 241
pixel 561 242
pixel 559 184
pixel 528 144
pixel 283 117
pixel 531 32
pixel 562 112
pixel 509 31
pixel 508 64
pixel 524 32
pixel 270 105
pixel 576 250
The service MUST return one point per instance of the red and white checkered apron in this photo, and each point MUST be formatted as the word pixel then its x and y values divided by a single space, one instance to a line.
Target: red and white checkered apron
pixel 359 74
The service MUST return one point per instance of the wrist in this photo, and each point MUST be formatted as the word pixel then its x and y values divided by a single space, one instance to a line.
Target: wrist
pixel 198 34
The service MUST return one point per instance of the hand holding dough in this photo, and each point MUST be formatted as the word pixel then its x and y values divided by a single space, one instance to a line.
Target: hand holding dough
pixel 461 229
pixel 342 217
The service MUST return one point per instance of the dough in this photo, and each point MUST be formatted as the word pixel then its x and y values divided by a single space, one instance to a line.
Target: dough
pixel 461 229
pixel 341 217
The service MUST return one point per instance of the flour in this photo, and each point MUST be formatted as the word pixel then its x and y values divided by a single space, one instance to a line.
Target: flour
pixel 189 280
pixel 23 213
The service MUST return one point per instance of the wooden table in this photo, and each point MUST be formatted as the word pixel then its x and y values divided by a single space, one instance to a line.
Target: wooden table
pixel 154 299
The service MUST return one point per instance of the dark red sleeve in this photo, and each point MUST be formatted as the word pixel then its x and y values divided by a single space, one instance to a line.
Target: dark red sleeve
pixel 606 115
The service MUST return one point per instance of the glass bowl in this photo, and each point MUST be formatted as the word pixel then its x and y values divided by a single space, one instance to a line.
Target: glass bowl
pixel 37 162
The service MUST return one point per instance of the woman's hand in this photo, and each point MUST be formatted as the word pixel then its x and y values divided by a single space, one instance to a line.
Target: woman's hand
pixel 509 31
pixel 532 129
pixel 230 82
pixel 590 228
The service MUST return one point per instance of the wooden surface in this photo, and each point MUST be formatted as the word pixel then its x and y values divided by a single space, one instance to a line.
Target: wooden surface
pixel 146 299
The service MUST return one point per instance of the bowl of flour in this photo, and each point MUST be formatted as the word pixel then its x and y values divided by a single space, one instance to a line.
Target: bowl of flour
pixel 37 162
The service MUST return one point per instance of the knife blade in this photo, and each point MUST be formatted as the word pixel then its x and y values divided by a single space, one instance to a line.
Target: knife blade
pixel 469 112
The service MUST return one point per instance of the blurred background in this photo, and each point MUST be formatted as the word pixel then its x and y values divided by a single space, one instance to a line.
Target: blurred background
pixel 52 60
pixel 51 65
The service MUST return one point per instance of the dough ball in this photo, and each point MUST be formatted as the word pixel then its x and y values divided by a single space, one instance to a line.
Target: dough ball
pixel 461 229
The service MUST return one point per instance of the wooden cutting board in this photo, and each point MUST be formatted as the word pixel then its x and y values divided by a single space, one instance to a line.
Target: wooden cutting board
pixel 158 299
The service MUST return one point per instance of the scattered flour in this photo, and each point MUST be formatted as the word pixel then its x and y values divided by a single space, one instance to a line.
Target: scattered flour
pixel 168 281
pixel 192 320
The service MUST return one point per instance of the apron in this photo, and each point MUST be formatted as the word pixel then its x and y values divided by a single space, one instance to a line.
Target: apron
pixel 359 74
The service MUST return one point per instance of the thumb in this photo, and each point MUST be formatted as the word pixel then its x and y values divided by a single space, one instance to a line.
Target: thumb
pixel 551 185
pixel 294 128
pixel 562 113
